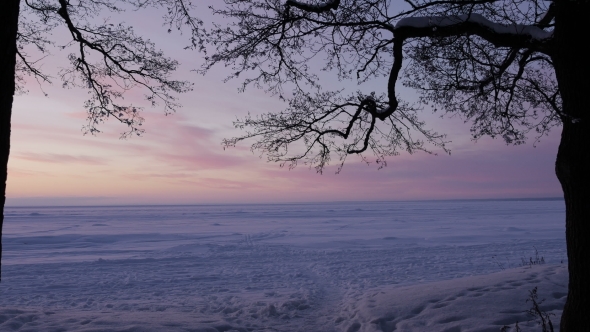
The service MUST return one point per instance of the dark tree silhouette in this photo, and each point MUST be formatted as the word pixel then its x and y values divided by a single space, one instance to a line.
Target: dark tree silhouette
pixel 106 58
pixel 510 67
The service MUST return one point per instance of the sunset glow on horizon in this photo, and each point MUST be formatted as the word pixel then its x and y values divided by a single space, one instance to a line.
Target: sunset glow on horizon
pixel 179 160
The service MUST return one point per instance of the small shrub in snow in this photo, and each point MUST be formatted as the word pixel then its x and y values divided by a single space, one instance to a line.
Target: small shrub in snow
pixel 535 311
pixel 536 261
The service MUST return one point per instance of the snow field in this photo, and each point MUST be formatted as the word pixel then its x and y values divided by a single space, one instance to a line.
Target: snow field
pixel 367 266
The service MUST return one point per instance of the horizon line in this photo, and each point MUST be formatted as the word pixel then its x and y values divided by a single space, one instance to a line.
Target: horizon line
pixel 553 198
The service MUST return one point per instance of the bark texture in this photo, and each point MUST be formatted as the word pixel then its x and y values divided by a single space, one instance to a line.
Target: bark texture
pixel 572 69
pixel 9 10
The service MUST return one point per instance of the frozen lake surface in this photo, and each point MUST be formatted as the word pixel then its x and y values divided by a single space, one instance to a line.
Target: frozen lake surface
pixel 283 267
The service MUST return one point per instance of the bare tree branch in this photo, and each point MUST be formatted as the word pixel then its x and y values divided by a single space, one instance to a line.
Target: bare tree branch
pixel 110 59
pixel 487 60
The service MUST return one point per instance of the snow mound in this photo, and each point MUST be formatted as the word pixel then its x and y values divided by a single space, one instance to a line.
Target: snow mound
pixel 479 303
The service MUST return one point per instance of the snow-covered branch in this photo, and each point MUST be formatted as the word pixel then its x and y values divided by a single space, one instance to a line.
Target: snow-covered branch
pixel 320 8
pixel 515 36
pixel 507 35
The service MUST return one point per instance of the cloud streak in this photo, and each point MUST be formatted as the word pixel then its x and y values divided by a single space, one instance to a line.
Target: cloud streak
pixel 56 158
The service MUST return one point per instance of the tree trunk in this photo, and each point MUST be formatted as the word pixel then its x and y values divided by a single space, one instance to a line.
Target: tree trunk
pixel 9 10
pixel 572 167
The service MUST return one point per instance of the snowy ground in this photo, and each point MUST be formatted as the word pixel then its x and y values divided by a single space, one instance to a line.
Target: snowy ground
pixel 380 266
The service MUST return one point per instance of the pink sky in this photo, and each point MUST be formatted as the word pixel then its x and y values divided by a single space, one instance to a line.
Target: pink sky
pixel 180 159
